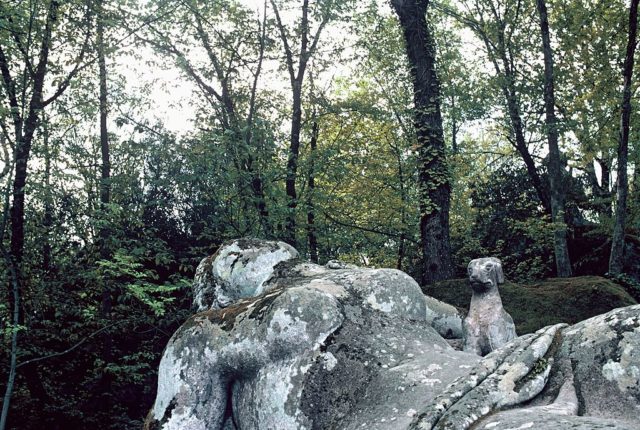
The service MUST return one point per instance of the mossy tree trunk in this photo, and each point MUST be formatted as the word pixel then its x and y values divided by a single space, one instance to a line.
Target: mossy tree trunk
pixel 433 174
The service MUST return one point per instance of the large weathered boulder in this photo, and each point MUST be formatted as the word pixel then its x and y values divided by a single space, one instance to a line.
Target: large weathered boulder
pixel 508 376
pixel 444 318
pixel 604 352
pixel 595 378
pixel 350 348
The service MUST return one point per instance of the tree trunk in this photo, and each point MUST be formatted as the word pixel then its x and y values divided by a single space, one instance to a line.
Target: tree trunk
pixel 25 128
pixel 556 182
pixel 47 222
pixel 105 171
pixel 257 184
pixel 105 382
pixel 311 215
pixel 499 52
pixel 25 139
pixel 454 126
pixel 600 190
pixel 605 194
pixel 403 212
pixel 308 45
pixel 292 163
pixel 15 286
pixel 433 175
pixel 105 196
pixel 520 144
pixel 616 259
pixel 23 151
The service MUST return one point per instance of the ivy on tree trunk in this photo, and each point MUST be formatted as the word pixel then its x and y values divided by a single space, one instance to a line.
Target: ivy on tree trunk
pixel 433 174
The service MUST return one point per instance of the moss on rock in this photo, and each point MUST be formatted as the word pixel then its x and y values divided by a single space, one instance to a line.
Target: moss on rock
pixel 535 305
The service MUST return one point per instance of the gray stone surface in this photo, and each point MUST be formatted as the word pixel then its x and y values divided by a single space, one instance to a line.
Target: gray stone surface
pixel 236 271
pixel 350 348
pixel 562 414
pixel 487 326
pixel 604 352
pixel 509 376
pixel 443 317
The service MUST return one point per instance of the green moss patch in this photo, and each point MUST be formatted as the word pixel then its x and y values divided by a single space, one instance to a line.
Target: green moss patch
pixel 533 306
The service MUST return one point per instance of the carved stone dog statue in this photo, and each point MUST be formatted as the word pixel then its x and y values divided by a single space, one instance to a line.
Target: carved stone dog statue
pixel 487 326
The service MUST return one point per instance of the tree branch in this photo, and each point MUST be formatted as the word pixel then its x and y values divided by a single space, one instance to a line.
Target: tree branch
pixel 285 42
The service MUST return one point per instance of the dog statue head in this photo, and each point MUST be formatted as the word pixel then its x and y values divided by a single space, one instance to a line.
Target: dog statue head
pixel 485 274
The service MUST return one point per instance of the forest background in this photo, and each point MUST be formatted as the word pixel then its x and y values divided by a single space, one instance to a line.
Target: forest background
pixel 138 136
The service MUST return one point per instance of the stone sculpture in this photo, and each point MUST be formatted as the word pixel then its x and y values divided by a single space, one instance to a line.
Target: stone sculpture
pixel 488 326
pixel 351 348
pixel 237 271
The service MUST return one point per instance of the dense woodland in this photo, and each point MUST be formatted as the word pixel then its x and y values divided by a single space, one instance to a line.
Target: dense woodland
pixel 415 134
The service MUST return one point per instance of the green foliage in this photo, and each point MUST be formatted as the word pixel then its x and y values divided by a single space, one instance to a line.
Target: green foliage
pixel 129 271
pixel 506 221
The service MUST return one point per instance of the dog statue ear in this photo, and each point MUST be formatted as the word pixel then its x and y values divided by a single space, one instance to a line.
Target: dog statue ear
pixel 498 268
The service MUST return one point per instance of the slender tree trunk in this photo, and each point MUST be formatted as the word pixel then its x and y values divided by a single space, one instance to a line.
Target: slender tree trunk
pixel 433 175
pixel 616 259
pixel 520 144
pixel 257 183
pixel 500 56
pixel 23 143
pixel 308 45
pixel 15 320
pixel 25 128
pixel 47 222
pixel 311 215
pixel 23 151
pixel 105 192
pixel 454 126
pixel 403 213
pixel 105 176
pixel 605 193
pixel 105 171
pixel 556 182
pixel 292 163
pixel 15 294
pixel 600 190
pixel 261 203
pixel 13 358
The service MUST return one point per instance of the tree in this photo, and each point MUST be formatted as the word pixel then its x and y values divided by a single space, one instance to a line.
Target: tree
pixel 556 181
pixel 616 258
pixel 234 43
pixel 312 236
pixel 589 40
pixel 296 63
pixel 30 54
pixel 433 175
pixel 501 26
pixel 35 69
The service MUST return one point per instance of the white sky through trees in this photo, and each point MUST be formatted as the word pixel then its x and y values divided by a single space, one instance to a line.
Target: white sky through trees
pixel 172 94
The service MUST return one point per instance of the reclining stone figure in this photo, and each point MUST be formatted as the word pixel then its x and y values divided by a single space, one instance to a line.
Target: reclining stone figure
pixel 488 326
pixel 310 347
